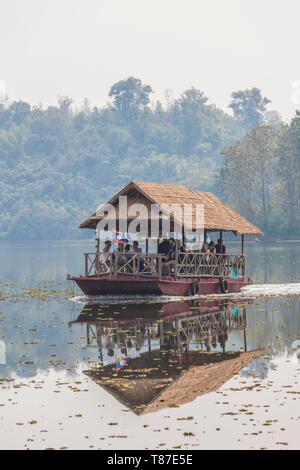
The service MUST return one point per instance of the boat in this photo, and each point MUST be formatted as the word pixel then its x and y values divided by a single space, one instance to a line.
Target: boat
pixel 191 272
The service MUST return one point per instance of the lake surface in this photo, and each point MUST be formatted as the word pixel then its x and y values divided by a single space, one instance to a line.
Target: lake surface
pixel 80 375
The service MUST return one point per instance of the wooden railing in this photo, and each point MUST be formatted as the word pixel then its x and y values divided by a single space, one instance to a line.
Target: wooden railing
pixel 97 263
pixel 209 265
pixel 137 264
pixel 184 265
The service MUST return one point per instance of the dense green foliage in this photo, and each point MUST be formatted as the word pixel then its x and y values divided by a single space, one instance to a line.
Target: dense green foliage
pixel 57 164
pixel 261 177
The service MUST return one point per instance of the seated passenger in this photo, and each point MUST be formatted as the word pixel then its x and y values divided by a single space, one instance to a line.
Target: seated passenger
pixel 121 260
pixel 120 248
pixel 170 257
pixel 183 249
pixel 106 250
pixel 140 265
pixel 182 258
pixel 102 261
pixel 211 247
pixel 136 248
pixel 204 248
pixel 220 248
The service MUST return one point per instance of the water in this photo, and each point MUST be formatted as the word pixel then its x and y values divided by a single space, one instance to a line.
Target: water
pixel 76 375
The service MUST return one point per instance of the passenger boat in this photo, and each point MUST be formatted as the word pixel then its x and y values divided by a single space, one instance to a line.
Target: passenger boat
pixel 190 273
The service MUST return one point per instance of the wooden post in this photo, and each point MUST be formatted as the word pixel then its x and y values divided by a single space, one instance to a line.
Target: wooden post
pixel 86 263
pixel 138 265
pixel 176 265
pixel 242 239
pixel 159 266
pixel 97 241
pixel 222 260
pixel 177 336
pixel 115 268
pixel 149 339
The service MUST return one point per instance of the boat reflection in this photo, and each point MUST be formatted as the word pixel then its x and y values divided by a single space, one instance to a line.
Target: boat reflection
pixel 143 351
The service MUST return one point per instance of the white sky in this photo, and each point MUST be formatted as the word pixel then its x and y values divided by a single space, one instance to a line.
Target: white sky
pixel 81 47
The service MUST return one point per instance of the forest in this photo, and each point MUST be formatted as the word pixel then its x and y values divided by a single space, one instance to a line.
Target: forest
pixel 59 163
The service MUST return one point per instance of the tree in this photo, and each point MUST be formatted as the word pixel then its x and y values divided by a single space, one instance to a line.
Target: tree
pixel 130 97
pixel 19 111
pixel 190 114
pixel 262 146
pixel 237 179
pixel 65 103
pixel 249 106
pixel 249 173
pixel 289 172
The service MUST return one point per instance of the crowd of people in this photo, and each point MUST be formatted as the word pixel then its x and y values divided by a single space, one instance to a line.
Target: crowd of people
pixel 215 248
pixel 168 248
pixel 122 247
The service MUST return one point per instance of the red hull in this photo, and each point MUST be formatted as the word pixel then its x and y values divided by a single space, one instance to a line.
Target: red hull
pixel 150 285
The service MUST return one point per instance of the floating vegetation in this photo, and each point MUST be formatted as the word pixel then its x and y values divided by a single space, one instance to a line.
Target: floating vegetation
pixel 10 293
pixel 45 294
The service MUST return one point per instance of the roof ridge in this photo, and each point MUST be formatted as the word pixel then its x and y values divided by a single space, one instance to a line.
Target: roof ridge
pixel 155 183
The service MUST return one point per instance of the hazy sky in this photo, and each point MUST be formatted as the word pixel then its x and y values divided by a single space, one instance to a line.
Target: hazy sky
pixel 81 47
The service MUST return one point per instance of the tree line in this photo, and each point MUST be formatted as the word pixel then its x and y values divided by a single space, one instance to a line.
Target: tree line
pixel 58 163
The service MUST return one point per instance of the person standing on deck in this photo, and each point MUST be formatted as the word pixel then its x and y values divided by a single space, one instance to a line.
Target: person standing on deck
pixel 220 249
pixel 163 247
pixel 171 249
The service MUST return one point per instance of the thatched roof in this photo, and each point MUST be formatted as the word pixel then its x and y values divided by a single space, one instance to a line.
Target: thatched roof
pixel 217 214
